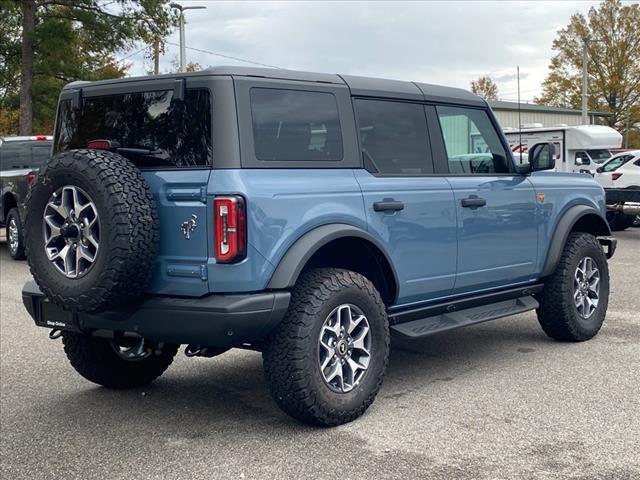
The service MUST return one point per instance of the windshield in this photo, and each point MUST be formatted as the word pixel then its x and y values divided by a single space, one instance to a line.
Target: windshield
pixel 600 155
pixel 616 163
pixel 146 127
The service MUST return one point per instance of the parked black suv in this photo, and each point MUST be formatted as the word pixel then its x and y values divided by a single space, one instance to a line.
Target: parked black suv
pixel 20 159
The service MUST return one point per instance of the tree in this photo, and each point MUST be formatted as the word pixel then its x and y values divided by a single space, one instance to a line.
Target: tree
pixel 52 42
pixel 485 87
pixel 613 64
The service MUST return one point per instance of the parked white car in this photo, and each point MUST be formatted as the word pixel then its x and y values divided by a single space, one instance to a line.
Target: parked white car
pixel 620 171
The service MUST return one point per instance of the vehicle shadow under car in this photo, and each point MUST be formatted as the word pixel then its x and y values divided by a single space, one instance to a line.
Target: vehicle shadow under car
pixel 230 390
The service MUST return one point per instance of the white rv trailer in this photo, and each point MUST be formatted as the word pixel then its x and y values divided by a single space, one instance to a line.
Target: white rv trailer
pixel 578 149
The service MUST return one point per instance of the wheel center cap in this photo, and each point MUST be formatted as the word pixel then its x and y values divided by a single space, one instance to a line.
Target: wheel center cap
pixel 72 231
pixel 342 347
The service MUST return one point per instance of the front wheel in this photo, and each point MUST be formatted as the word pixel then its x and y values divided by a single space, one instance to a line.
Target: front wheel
pixel 574 301
pixel 325 362
pixel 117 363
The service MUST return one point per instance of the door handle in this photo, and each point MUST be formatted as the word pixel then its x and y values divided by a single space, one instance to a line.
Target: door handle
pixel 388 205
pixel 473 202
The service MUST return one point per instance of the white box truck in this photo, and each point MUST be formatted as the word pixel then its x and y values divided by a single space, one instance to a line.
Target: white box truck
pixel 578 149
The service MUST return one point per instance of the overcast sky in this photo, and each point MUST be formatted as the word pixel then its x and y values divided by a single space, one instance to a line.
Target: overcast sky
pixel 448 43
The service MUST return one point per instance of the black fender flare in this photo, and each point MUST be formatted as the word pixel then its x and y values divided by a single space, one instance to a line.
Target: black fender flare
pixel 564 227
pixel 294 260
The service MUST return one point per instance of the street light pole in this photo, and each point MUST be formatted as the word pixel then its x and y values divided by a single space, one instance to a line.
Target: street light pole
pixel 183 46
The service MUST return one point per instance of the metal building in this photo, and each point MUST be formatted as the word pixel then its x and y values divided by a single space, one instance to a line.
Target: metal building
pixel 544 116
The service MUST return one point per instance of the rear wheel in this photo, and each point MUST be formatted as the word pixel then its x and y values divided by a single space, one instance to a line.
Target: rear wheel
pixel 573 304
pixel 15 237
pixel 117 363
pixel 325 362
pixel 620 221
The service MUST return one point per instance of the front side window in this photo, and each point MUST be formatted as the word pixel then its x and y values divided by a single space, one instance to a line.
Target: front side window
pixel 394 136
pixel 599 155
pixel 616 163
pixel 582 158
pixel 295 125
pixel 472 143
pixel 148 128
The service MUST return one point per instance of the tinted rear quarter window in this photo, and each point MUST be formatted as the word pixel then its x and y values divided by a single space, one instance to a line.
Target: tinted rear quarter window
pixel 295 125
pixel 174 134
pixel 394 137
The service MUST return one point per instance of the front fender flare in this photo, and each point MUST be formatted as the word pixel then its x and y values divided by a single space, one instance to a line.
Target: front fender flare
pixel 563 228
pixel 289 268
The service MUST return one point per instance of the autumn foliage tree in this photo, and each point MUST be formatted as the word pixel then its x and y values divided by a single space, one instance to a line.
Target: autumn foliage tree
pixel 613 65
pixel 47 43
pixel 485 87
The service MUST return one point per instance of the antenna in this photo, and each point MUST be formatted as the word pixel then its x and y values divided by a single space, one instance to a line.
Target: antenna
pixel 519 114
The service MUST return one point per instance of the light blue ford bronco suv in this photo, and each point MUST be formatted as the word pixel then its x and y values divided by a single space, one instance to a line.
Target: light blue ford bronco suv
pixel 307 216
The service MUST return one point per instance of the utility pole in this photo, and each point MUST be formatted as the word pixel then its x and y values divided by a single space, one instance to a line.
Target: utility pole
pixel 156 56
pixel 585 81
pixel 183 47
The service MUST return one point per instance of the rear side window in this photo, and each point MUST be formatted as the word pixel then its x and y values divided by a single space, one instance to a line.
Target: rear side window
pixel 14 155
pixel 295 125
pixel 146 127
pixel 39 155
pixel 24 154
pixel 472 143
pixel 394 137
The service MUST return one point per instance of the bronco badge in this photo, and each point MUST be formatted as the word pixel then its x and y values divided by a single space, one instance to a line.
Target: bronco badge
pixel 189 226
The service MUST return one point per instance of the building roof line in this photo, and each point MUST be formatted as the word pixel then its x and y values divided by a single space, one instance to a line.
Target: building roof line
pixel 531 107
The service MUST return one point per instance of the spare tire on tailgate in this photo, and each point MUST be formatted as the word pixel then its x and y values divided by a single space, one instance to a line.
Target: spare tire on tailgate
pixel 91 230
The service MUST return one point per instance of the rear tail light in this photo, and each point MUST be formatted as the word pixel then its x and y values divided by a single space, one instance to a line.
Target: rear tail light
pixel 41 137
pixel 99 144
pixel 615 176
pixel 230 229
pixel 31 178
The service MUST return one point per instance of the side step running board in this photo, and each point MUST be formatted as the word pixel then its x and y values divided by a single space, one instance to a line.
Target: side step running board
pixel 448 321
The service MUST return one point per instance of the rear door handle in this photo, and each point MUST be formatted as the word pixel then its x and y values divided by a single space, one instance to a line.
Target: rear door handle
pixel 388 205
pixel 473 202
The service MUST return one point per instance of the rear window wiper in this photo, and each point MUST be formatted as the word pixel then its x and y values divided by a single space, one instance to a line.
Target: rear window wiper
pixel 139 151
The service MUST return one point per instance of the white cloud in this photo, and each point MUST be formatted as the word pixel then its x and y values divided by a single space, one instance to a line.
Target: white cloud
pixel 447 43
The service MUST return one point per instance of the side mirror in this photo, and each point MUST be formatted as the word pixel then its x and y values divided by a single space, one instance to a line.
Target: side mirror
pixel 541 156
pixel 599 170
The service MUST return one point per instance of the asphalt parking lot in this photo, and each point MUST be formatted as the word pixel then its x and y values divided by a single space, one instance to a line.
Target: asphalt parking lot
pixel 495 401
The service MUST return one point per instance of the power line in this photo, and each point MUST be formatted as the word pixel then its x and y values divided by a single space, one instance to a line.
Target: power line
pixel 131 54
pixel 226 56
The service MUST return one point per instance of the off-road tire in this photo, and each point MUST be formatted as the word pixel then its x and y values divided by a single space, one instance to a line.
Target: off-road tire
pixel 557 314
pixel 19 252
pixel 95 359
pixel 128 230
pixel 291 364
pixel 619 221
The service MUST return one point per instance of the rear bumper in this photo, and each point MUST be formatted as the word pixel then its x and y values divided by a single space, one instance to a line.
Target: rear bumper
pixel 214 320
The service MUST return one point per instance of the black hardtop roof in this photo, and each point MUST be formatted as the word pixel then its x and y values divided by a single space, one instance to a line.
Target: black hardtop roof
pixel 359 86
